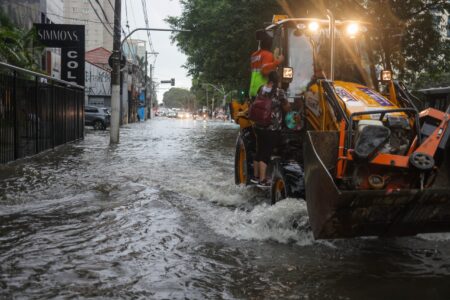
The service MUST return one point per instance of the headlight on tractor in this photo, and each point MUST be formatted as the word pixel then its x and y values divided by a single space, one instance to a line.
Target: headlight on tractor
pixel 352 30
pixel 386 75
pixel 313 26
pixel 288 74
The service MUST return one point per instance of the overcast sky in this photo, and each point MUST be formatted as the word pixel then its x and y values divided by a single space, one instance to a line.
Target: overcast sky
pixel 170 60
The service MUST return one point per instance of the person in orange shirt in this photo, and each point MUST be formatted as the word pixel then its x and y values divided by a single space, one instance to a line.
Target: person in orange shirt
pixel 262 62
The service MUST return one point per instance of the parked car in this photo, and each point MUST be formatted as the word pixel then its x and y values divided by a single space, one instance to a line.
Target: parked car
pixel 98 117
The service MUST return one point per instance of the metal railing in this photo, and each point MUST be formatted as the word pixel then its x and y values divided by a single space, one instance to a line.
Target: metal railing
pixel 37 113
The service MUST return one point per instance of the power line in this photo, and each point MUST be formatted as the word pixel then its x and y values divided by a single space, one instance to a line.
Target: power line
pixel 134 55
pixel 144 7
pixel 56 15
pixel 126 16
pixel 149 37
pixel 104 13
pixel 132 12
pixel 112 6
pixel 98 16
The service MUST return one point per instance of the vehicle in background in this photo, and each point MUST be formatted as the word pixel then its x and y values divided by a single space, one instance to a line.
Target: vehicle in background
pixel 185 115
pixel 98 117
pixel 221 116
pixel 161 112
pixel 202 114
pixel 171 114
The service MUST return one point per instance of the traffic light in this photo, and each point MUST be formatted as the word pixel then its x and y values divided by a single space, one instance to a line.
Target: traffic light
pixel 172 82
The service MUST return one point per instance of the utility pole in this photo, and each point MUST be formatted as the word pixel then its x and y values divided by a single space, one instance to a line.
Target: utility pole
pixel 151 93
pixel 115 76
pixel 146 86
pixel 149 104
pixel 207 98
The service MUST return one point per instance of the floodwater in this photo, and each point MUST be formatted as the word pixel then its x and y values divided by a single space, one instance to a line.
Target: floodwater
pixel 159 217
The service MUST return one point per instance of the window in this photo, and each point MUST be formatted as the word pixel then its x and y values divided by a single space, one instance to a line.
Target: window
pixel 90 110
pixel 96 101
pixel 300 58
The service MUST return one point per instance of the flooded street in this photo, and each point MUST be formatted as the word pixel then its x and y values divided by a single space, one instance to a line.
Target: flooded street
pixel 159 217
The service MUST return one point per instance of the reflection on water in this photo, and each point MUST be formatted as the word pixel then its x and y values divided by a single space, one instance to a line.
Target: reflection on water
pixel 158 216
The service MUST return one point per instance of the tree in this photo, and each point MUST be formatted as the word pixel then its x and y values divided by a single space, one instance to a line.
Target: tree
pixel 402 35
pixel 17 46
pixel 407 34
pixel 179 98
pixel 221 38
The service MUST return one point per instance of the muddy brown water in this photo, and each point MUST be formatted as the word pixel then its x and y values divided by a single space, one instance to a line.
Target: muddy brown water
pixel 159 217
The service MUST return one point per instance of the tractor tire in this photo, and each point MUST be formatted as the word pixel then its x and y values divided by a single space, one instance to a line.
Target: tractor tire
pixel 279 188
pixel 242 165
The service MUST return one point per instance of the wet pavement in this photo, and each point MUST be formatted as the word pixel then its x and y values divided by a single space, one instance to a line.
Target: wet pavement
pixel 159 217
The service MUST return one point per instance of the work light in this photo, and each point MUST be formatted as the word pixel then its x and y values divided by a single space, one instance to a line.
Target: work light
pixel 352 29
pixel 313 26
pixel 288 73
pixel 386 75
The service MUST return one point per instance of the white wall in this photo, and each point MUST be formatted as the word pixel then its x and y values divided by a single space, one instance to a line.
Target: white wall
pixel 54 10
pixel 97 81
pixel 96 34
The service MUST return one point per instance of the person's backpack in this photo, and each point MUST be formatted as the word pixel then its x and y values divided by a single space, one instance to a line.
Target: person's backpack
pixel 260 111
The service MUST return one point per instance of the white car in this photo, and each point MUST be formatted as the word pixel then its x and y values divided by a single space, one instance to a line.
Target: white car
pixel 171 114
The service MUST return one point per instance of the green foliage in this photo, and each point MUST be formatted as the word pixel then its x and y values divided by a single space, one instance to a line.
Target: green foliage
pixel 221 38
pixel 179 98
pixel 406 38
pixel 433 80
pixel 403 35
pixel 17 46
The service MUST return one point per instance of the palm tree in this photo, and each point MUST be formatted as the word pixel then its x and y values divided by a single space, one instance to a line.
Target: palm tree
pixel 17 46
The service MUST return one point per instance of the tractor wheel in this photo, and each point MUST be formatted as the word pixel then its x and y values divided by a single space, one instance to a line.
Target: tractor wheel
pixel 241 163
pixel 279 189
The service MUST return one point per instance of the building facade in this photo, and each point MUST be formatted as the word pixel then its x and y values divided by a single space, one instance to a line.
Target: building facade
pixel 98 78
pixel 52 11
pixel 133 49
pixel 98 18
pixel 97 86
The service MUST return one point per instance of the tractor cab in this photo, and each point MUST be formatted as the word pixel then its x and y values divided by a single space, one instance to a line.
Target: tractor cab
pixel 312 54
pixel 338 59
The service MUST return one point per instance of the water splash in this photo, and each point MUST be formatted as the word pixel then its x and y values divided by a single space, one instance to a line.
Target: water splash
pixel 284 222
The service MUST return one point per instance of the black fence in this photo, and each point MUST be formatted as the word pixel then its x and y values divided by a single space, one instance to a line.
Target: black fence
pixel 37 113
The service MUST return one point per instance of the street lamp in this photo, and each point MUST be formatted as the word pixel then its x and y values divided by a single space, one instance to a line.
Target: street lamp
pixel 220 89
pixel 149 104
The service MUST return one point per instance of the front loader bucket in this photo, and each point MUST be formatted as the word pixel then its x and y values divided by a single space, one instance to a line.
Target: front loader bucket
pixel 335 213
